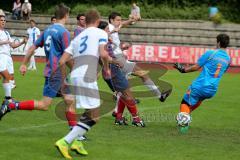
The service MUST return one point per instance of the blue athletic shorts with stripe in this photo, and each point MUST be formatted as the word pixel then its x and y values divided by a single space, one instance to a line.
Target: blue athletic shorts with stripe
pixel 52 87
pixel 196 94
pixel 118 81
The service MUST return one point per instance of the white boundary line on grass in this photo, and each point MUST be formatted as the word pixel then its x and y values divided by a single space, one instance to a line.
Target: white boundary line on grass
pixel 31 127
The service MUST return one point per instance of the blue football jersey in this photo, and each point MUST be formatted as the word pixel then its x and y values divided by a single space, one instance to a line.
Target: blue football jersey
pixel 214 64
pixel 55 39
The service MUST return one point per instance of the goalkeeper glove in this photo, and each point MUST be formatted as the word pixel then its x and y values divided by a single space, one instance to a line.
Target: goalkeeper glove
pixel 179 67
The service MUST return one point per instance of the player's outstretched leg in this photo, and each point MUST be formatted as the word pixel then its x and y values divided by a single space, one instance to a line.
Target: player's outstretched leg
pixel 162 96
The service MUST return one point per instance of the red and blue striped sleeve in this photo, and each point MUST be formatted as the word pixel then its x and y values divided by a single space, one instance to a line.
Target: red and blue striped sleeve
pixel 66 39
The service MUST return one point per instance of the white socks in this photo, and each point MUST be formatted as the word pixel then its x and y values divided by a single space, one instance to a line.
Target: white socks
pixel 32 65
pixel 152 87
pixel 79 130
pixel 7 89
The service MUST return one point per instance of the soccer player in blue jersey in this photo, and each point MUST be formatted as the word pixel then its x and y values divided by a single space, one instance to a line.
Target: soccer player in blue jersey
pixel 214 63
pixel 55 39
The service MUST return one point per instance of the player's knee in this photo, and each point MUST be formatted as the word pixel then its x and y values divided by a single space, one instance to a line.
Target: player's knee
pixel 145 77
pixel 42 105
pixel 69 100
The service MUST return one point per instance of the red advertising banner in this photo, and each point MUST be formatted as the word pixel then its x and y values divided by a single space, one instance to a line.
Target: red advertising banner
pixel 171 54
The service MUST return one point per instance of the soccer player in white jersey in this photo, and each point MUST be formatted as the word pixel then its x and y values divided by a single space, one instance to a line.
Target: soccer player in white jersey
pixel 115 25
pixel 33 34
pixel 6 62
pixel 85 49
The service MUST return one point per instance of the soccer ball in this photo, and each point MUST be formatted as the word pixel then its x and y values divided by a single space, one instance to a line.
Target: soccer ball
pixel 183 119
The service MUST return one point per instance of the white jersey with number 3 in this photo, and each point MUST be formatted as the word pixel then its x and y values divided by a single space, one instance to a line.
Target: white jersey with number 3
pixel 85 50
pixel 87 42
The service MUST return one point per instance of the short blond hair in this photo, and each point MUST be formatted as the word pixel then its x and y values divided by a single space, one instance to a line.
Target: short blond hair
pixel 92 16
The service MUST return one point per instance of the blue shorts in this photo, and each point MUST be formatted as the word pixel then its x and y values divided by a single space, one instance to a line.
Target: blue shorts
pixel 118 81
pixel 196 94
pixel 52 87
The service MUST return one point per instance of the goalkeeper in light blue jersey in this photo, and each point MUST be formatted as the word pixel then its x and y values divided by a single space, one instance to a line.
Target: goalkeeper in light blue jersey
pixel 214 63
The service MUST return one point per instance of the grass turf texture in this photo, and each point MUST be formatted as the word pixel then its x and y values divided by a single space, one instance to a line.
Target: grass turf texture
pixel 214 132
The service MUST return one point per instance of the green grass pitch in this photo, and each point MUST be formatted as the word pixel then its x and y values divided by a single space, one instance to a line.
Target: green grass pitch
pixel 213 135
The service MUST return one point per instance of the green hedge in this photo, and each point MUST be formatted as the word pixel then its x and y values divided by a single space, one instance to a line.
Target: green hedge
pixel 154 9
pixel 151 11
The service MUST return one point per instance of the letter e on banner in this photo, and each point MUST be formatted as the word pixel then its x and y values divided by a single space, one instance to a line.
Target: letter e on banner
pixel 136 52
pixel 149 53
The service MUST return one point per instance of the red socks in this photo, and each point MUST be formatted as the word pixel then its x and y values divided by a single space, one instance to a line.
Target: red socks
pixel 25 105
pixel 132 108
pixel 120 108
pixel 72 119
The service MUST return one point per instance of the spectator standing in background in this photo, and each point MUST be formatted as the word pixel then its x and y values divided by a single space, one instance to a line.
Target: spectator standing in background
pixel 16 11
pixel 81 22
pixel 135 12
pixel 214 14
pixel 26 10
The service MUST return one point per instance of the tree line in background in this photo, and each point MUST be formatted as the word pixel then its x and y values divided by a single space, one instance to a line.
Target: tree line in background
pixel 159 9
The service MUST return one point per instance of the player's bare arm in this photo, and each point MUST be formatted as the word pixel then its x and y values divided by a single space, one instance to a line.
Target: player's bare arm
pixel 106 59
pixel 65 60
pixel 15 45
pixel 30 52
pixel 127 22
pixel 4 42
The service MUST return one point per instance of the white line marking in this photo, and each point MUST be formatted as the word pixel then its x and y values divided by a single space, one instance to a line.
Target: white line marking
pixel 31 127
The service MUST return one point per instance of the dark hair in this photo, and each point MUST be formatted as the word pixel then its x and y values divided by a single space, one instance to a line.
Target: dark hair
pixel 53 17
pixel 113 15
pixel 61 11
pixel 31 20
pixel 103 25
pixel 224 40
pixel 92 16
pixel 80 15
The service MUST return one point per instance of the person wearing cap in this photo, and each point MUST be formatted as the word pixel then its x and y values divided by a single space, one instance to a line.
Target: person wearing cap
pixel 2 13
pixel 26 10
